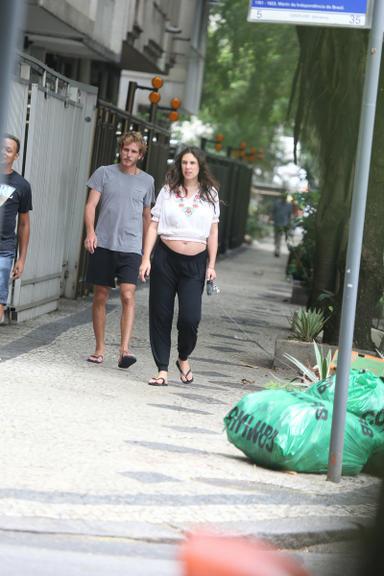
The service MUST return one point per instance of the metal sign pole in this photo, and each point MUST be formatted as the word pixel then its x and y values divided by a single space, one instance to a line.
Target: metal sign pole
pixel 11 21
pixel 355 240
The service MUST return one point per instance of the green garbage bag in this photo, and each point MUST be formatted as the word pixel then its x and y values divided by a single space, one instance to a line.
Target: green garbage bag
pixel 365 395
pixel 291 431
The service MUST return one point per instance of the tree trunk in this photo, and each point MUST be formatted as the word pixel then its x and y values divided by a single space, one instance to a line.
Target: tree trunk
pixel 329 101
pixel 371 281
pixel 331 221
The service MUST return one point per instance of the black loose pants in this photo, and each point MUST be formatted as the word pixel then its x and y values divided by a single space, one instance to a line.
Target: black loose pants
pixel 171 274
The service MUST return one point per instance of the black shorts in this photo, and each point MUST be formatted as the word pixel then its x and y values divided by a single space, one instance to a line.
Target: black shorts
pixel 105 266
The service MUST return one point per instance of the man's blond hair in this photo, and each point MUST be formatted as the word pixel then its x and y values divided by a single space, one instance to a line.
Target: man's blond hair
pixel 136 137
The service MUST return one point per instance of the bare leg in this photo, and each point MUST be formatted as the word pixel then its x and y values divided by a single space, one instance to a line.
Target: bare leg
pixel 100 298
pixel 127 296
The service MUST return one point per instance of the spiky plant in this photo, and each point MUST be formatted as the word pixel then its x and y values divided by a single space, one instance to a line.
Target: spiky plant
pixel 320 371
pixel 306 325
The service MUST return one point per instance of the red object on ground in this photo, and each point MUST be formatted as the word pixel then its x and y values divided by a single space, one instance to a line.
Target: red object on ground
pixel 215 555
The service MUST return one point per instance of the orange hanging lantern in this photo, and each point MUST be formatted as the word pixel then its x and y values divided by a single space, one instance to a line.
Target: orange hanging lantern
pixel 175 103
pixel 154 97
pixel 157 82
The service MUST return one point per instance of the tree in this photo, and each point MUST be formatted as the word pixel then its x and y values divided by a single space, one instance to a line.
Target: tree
pixel 248 75
pixel 328 97
pixel 371 283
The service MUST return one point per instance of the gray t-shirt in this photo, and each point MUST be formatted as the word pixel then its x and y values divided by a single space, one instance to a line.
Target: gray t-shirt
pixel 123 198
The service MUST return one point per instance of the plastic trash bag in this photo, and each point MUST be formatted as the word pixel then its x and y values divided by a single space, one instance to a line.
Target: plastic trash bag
pixel 291 431
pixel 365 395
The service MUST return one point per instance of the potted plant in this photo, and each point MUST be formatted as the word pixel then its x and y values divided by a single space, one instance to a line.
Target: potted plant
pixel 321 370
pixel 306 327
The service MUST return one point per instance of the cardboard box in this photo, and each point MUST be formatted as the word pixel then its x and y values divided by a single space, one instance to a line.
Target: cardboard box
pixel 362 361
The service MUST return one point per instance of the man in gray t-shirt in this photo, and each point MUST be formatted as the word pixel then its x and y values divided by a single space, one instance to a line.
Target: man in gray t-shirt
pixel 125 194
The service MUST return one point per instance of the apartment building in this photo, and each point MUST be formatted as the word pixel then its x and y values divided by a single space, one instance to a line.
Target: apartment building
pixel 180 56
pixel 108 42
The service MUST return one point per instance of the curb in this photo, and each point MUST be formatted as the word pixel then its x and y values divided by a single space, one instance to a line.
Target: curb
pixel 281 534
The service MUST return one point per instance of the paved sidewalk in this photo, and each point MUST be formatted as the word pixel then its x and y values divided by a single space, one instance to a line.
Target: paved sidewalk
pixel 93 450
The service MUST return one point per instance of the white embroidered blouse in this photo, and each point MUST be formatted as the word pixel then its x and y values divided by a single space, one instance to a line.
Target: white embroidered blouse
pixel 182 218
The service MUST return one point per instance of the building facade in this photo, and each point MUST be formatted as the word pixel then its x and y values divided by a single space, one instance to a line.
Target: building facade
pixel 108 42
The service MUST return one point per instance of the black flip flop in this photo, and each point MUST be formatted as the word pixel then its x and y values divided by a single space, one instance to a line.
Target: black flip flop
pixel 126 360
pixel 158 382
pixel 184 374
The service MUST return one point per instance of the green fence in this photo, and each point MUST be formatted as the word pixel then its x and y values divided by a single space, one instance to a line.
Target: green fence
pixel 235 179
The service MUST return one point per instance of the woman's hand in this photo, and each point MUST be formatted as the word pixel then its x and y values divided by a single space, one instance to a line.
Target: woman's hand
pixel 211 273
pixel 144 270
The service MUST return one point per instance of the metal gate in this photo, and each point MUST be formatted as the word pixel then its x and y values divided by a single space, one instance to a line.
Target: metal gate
pixel 54 118
pixel 235 187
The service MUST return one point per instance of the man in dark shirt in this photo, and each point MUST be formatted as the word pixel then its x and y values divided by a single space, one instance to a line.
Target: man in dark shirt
pixel 282 213
pixel 15 200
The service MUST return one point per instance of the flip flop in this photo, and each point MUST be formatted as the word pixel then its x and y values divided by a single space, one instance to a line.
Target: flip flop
pixel 95 359
pixel 184 374
pixel 157 382
pixel 126 360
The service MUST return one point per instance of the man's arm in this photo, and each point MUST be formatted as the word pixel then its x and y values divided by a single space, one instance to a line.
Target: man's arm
pixel 146 222
pixel 90 241
pixel 23 232
pixel 273 212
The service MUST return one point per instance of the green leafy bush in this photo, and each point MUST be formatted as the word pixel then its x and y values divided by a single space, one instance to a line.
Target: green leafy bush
pixel 255 227
pixel 301 257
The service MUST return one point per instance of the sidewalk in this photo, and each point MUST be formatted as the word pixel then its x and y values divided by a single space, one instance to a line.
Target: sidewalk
pixel 93 450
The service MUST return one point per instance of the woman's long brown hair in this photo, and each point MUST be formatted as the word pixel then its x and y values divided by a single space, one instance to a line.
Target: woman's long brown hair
pixel 174 176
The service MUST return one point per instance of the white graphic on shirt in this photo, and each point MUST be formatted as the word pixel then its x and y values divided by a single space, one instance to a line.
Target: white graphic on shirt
pixel 6 192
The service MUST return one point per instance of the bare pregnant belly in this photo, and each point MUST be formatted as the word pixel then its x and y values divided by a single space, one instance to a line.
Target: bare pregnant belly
pixel 184 247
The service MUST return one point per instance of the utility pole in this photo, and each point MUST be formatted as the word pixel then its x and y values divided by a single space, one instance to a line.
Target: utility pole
pixel 11 22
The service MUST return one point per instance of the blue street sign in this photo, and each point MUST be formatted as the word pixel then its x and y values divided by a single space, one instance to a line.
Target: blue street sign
pixel 343 13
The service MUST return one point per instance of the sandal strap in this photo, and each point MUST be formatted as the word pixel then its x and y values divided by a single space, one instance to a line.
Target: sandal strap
pixel 160 381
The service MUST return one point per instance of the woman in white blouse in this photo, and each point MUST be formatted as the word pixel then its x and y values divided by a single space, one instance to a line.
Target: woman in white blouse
pixel 185 218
